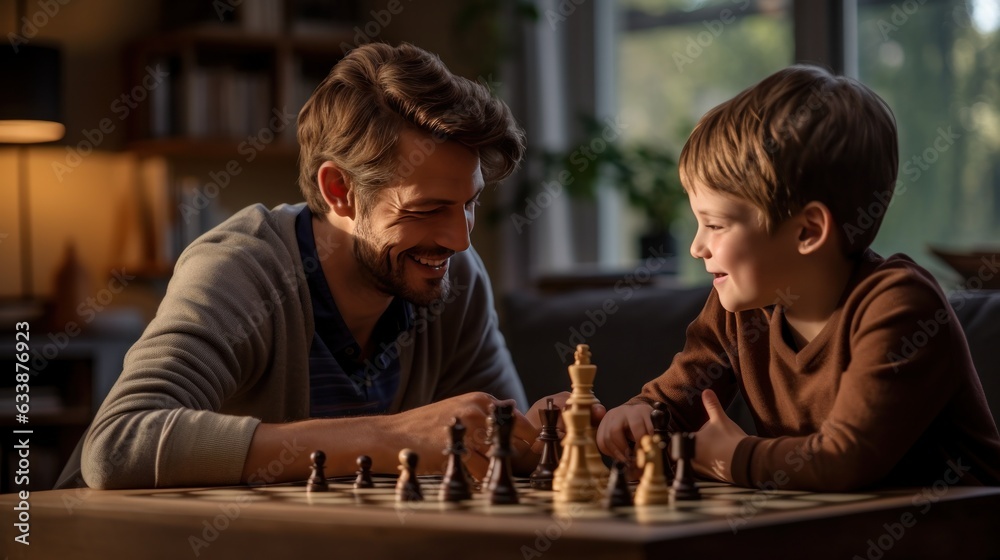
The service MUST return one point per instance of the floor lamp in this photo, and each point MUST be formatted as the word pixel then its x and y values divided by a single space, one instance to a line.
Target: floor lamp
pixel 30 113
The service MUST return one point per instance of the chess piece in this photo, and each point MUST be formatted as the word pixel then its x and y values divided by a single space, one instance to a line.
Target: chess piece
pixel 682 450
pixel 560 474
pixel 578 485
pixel 490 428
pixel 364 472
pixel 652 488
pixel 660 417
pixel 455 486
pixel 618 493
pixel 582 374
pixel 500 483
pixel 317 479
pixel 541 478
pixel 408 486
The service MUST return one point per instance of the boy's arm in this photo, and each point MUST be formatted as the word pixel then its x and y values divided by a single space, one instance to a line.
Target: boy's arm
pixel 884 403
pixel 704 363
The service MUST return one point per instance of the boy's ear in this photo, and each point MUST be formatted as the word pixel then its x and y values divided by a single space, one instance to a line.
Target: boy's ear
pixel 816 227
pixel 333 186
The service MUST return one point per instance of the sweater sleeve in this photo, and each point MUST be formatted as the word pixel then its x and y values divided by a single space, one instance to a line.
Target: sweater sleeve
pixel 477 357
pixel 896 383
pixel 212 335
pixel 704 363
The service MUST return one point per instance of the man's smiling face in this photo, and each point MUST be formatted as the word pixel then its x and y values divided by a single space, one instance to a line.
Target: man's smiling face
pixel 403 244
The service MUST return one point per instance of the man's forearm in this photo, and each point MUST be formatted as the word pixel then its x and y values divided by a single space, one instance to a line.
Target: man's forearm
pixel 280 452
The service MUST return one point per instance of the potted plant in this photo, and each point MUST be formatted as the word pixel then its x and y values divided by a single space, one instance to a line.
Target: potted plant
pixel 646 174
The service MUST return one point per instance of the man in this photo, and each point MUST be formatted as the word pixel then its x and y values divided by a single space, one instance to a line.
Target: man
pixel 359 323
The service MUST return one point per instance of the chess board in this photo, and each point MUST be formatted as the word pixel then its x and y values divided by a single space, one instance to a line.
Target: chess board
pixel 285 521
pixel 719 501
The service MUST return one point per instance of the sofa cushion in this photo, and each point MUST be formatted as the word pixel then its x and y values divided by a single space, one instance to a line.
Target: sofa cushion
pixel 979 313
pixel 633 336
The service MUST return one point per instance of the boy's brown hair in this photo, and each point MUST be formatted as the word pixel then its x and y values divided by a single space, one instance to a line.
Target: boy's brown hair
pixel 356 116
pixel 801 134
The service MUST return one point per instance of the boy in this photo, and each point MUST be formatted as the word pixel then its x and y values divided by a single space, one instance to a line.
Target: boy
pixel 804 318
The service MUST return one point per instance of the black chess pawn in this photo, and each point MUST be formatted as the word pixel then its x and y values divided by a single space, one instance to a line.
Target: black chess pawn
pixel 682 450
pixel 408 486
pixel 501 483
pixel 317 479
pixel 618 494
pixel 455 486
pixel 660 417
pixel 364 472
pixel 544 473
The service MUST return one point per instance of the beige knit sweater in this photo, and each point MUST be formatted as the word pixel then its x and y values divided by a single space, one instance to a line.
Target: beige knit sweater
pixel 229 348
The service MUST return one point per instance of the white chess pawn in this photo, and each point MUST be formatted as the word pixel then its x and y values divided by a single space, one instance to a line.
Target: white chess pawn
pixel 652 488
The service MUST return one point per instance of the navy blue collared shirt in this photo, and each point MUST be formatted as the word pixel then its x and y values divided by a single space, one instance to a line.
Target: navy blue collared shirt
pixel 341 383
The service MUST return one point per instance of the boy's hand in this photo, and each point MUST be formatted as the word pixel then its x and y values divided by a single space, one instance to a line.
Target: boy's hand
pixel 716 441
pixel 620 426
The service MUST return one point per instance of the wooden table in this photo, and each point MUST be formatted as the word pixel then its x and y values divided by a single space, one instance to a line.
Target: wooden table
pixel 71 524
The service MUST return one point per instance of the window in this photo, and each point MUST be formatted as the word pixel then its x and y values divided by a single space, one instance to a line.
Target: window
pixel 937 64
pixel 679 58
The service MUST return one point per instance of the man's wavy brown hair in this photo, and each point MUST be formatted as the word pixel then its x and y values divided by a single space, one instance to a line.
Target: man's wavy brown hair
pixel 356 116
pixel 801 134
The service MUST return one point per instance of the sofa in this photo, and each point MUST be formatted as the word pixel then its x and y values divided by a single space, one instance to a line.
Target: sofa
pixel 634 333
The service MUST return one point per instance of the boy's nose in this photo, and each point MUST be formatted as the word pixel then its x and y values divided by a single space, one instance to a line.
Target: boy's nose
pixel 698 249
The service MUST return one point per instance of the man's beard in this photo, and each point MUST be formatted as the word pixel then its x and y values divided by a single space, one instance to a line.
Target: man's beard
pixel 375 262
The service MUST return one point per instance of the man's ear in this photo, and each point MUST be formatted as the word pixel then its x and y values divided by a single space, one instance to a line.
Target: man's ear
pixel 333 186
pixel 816 227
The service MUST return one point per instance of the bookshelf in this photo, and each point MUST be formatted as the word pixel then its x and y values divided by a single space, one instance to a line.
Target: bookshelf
pixel 213 95
pixel 208 90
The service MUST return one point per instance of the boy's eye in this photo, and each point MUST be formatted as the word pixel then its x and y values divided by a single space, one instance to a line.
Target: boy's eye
pixel 713 227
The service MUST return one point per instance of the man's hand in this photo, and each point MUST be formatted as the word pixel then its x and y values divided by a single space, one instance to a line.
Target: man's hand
pixel 425 430
pixel 621 425
pixel 716 441
pixel 597 412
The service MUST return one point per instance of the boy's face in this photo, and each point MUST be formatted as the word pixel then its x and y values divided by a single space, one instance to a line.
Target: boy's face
pixel 751 267
pixel 403 244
